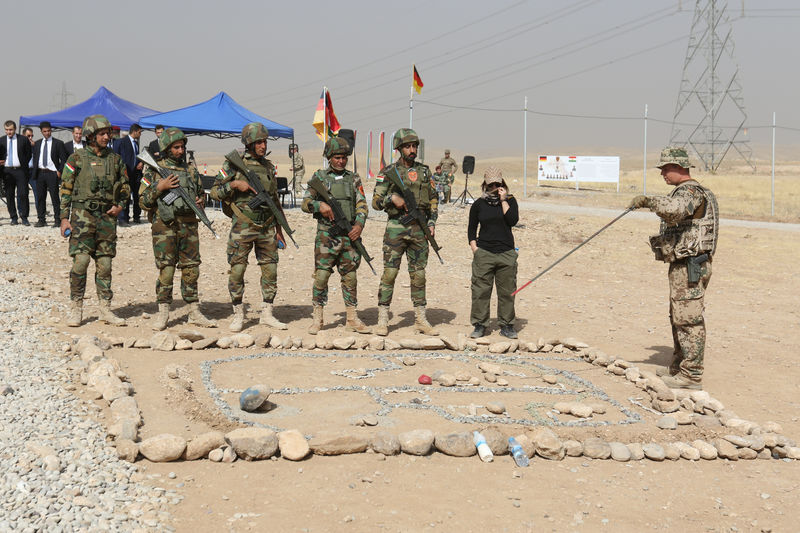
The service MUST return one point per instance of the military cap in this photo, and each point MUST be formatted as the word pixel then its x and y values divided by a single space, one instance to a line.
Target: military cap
pixel 674 155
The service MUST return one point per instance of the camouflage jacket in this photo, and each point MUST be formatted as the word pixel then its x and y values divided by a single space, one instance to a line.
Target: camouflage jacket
pixel 354 195
pixel 682 203
pixel 223 192
pixel 418 179
pixel 443 178
pixel 190 180
pixel 298 165
pixel 449 165
pixel 90 177
pixel 689 222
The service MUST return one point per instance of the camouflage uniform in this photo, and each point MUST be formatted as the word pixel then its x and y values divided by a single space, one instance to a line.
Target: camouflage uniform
pixel 330 248
pixel 299 169
pixel 90 185
pixel 449 165
pixel 689 229
pixel 444 182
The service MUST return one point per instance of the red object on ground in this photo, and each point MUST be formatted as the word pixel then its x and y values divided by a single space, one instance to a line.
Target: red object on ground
pixel 425 380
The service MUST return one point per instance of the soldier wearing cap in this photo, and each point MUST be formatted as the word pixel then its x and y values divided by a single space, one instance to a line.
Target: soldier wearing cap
pixel 251 229
pixel 408 239
pixel 176 242
pixel 449 169
pixel 687 241
pixel 94 190
pixel 331 248
pixel 298 167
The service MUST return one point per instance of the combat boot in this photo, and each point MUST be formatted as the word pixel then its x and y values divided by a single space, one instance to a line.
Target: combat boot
pixel 238 318
pixel 421 324
pixel 353 322
pixel 267 318
pixel 679 381
pixel 667 371
pixel 107 316
pixel 161 318
pixel 197 317
pixel 75 313
pixel 382 328
pixel 316 320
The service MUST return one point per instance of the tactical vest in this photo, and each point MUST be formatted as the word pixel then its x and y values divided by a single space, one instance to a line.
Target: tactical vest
pixel 263 214
pixel 167 213
pixel 420 188
pixel 690 237
pixel 95 181
pixel 342 191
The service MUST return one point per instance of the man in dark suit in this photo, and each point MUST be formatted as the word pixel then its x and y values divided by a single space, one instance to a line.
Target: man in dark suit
pixel 128 149
pixel 153 147
pixel 49 156
pixel 16 173
pixel 76 141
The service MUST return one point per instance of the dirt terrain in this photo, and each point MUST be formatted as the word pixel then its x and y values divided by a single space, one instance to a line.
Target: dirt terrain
pixel 611 294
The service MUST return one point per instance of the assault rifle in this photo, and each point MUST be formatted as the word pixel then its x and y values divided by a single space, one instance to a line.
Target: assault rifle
pixel 177 192
pixel 340 222
pixel 262 197
pixel 414 212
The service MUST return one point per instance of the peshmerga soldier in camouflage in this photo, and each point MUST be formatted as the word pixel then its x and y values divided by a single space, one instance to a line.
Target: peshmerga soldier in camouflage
pixel 449 169
pixel 174 227
pixel 687 241
pixel 443 183
pixel 94 189
pixel 331 248
pixel 251 228
pixel 400 238
pixel 298 167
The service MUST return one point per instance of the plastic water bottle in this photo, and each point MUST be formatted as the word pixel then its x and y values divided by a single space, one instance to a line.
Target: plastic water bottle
pixel 520 457
pixel 67 232
pixel 484 452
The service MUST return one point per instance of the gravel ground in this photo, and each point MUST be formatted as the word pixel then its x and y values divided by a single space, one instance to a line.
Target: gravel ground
pixel 59 473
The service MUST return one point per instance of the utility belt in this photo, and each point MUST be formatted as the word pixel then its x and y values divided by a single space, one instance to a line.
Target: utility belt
pixel 93 206
pixel 260 218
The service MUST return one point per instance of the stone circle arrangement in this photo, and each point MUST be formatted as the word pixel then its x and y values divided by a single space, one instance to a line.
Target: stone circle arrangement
pixel 492 365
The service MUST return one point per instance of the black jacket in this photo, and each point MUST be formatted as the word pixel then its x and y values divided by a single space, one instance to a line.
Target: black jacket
pixel 58 155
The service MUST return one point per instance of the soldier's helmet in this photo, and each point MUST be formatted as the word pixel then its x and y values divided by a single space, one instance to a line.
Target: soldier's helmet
pixel 336 146
pixel 94 123
pixel 447 151
pixel 403 136
pixel 255 131
pixel 169 137
pixel 674 155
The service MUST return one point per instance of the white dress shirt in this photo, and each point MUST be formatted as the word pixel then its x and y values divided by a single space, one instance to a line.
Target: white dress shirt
pixel 46 147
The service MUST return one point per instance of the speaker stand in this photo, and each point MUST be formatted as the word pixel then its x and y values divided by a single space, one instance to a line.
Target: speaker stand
pixel 463 196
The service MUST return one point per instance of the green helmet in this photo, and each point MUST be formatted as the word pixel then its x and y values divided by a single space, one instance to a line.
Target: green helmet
pixel 336 146
pixel 403 136
pixel 255 131
pixel 169 137
pixel 94 123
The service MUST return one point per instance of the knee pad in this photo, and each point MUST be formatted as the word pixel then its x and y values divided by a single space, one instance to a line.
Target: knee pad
pixel 269 270
pixel 389 275
pixel 350 278
pixel 321 277
pixel 80 263
pixel 237 272
pixel 417 278
pixel 103 266
pixel 166 274
pixel 189 275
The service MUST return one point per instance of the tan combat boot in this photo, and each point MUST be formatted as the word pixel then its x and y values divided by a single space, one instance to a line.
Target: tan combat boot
pixel 75 313
pixel 382 328
pixel 316 320
pixel 238 318
pixel 197 317
pixel 679 381
pixel 354 323
pixel 161 318
pixel 107 316
pixel 267 319
pixel 421 324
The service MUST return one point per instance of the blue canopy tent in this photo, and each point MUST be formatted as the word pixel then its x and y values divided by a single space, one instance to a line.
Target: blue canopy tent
pixel 120 112
pixel 219 117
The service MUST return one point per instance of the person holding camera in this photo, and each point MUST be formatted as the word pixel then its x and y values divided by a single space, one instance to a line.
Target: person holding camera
pixel 494 257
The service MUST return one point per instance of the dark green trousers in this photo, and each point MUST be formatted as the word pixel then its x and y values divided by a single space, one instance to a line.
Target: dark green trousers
pixel 489 269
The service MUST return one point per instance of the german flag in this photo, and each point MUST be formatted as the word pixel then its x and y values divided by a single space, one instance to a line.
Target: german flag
pixel 418 85
pixel 325 118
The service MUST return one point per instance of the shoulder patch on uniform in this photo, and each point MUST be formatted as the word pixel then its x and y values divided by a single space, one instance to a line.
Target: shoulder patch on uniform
pixel 223 173
pixel 70 167
pixel 146 180
pixel 379 179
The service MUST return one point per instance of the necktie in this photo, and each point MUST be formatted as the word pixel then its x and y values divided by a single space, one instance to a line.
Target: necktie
pixel 10 162
pixel 135 147
pixel 44 156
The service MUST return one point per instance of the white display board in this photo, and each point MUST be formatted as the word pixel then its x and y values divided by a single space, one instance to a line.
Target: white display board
pixel 577 168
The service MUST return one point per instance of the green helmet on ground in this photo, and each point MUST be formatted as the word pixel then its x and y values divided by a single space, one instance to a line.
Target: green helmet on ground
pixel 403 136
pixel 94 123
pixel 169 137
pixel 336 146
pixel 255 131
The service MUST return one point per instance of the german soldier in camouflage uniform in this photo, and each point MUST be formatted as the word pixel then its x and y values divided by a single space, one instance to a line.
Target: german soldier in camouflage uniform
pixel 687 241
pixel 251 229
pixel 94 189
pixel 332 249
pixel 298 167
pixel 174 227
pixel 399 238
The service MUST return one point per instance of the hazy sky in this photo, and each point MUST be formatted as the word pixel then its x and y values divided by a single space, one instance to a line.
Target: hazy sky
pixel 584 57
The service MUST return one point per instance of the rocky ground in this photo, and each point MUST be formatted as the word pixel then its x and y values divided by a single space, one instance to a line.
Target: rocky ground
pixel 611 295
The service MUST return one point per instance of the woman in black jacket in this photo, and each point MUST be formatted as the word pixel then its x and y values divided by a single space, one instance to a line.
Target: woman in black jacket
pixel 494 258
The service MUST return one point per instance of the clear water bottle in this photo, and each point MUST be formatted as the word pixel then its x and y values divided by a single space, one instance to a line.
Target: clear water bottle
pixel 484 452
pixel 520 457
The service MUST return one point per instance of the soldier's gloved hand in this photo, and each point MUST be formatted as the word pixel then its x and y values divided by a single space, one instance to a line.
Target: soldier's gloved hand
pixel 326 211
pixel 355 233
pixel 639 202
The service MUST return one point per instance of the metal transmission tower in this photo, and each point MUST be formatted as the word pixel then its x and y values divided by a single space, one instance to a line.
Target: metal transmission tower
pixel 710 96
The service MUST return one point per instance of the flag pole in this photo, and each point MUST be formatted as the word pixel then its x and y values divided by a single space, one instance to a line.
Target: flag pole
pixel 411 107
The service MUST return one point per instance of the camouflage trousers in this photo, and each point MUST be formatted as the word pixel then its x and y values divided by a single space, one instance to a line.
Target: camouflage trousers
pixel 397 240
pixel 244 237
pixel 94 236
pixel 298 180
pixel 446 193
pixel 176 244
pixel 686 308
pixel 335 251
